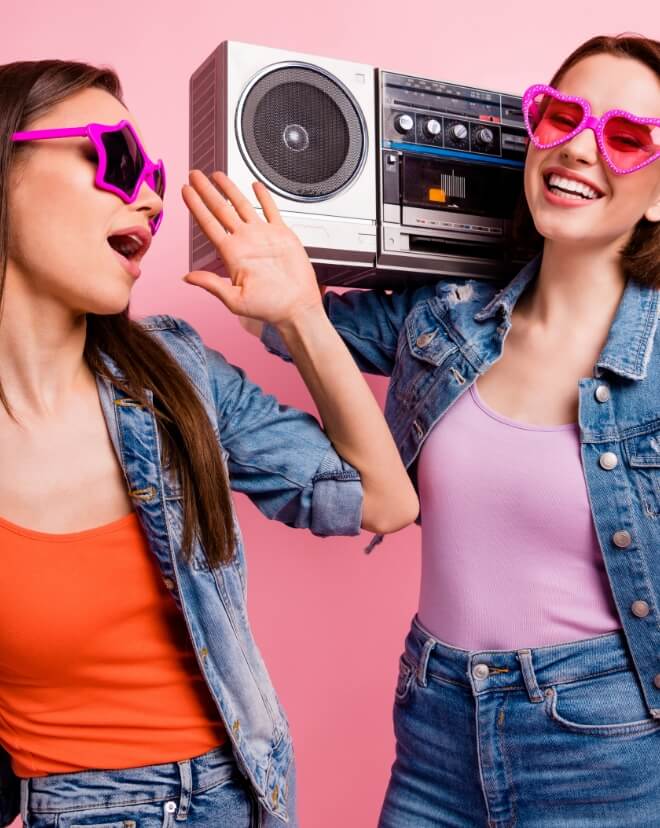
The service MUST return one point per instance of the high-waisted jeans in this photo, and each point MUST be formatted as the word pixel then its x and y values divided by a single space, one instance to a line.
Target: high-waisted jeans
pixel 204 792
pixel 544 737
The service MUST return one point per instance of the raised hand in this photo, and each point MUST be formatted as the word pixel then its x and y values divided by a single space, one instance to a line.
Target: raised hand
pixel 270 275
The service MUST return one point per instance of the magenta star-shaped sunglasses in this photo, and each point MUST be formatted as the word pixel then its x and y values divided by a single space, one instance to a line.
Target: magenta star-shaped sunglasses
pixel 626 142
pixel 122 163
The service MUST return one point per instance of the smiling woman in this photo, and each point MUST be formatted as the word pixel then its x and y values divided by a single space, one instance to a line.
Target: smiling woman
pixel 528 415
pixel 131 690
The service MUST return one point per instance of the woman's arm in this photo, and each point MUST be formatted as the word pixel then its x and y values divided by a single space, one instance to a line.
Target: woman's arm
pixel 272 280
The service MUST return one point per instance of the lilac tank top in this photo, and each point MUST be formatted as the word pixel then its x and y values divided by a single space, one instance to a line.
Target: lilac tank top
pixel 510 555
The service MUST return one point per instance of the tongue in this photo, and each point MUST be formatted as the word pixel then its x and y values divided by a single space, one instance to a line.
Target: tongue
pixel 117 242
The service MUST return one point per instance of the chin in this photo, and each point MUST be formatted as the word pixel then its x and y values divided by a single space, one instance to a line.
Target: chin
pixel 108 305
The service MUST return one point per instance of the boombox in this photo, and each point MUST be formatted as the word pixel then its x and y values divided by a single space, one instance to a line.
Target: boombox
pixel 387 179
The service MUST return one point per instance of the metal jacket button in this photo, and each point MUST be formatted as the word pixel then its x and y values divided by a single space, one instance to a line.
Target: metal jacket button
pixel 169 583
pixel 608 460
pixel 622 538
pixel 602 393
pixel 640 609
pixel 656 681
pixel 423 339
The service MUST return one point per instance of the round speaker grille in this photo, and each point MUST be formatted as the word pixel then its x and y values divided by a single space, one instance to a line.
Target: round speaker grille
pixel 301 131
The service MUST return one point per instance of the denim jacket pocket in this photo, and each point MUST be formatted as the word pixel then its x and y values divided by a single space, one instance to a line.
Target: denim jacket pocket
pixel 643 452
pixel 424 345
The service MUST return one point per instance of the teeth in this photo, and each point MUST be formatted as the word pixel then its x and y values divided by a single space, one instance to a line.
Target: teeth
pixel 572 186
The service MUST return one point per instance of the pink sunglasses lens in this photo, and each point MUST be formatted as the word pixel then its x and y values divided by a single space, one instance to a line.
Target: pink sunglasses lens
pixel 630 144
pixel 552 120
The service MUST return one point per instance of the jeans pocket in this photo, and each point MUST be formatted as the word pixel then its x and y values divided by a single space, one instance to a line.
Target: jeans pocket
pixel 122 823
pixel 127 815
pixel 606 705
pixel 404 681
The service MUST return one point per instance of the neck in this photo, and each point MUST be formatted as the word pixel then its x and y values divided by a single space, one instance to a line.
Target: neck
pixel 577 291
pixel 41 350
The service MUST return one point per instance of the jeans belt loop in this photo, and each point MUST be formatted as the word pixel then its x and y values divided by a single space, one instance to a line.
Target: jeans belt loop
pixel 422 667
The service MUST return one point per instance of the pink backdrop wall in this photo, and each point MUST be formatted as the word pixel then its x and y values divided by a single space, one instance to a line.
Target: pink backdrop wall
pixel 330 620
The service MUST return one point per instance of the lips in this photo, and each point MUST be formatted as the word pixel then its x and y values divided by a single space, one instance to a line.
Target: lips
pixel 129 246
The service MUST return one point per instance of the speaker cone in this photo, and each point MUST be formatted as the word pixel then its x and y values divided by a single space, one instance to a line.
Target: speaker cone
pixel 301 131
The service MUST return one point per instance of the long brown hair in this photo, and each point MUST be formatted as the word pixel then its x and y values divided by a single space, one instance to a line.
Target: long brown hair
pixel 29 89
pixel 641 255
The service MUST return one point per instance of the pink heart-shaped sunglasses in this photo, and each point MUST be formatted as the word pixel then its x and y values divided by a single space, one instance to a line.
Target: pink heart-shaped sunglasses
pixel 626 142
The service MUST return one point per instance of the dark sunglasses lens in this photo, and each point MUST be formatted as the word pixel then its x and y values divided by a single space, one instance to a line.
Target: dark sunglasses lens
pixel 552 120
pixel 159 182
pixel 125 161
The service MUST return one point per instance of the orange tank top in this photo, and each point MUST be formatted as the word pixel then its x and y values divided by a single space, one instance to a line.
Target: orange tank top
pixel 96 665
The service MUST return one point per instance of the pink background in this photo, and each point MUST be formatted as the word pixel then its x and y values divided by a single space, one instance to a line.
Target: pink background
pixel 330 620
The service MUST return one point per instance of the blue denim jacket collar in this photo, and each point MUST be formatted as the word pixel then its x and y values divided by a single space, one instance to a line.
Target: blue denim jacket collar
pixel 627 351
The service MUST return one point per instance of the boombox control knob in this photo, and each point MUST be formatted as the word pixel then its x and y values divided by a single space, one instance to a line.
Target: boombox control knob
pixel 432 127
pixel 459 132
pixel 485 136
pixel 403 123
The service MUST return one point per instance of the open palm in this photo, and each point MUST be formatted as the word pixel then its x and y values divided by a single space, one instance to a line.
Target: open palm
pixel 270 275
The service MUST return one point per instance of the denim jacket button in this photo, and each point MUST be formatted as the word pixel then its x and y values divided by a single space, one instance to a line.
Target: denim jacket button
pixel 608 460
pixel 640 609
pixel 423 339
pixel 169 583
pixel 602 393
pixel 656 681
pixel 622 538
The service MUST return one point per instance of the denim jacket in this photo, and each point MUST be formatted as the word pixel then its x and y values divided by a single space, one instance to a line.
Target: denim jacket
pixel 436 340
pixel 284 462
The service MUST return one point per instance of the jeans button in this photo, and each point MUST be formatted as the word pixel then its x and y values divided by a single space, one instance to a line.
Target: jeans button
pixel 480 671
pixel 170 807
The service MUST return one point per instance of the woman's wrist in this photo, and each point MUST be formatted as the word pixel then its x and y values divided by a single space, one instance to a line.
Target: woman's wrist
pixel 303 319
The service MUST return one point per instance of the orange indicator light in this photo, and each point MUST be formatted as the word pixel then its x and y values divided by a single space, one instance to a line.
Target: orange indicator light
pixel 436 194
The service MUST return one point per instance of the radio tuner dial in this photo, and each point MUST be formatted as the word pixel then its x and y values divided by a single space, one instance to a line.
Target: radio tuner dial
pixel 459 132
pixel 403 123
pixel 432 127
pixel 485 136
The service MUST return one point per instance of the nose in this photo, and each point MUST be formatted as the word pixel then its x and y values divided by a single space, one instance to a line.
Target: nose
pixel 583 148
pixel 148 201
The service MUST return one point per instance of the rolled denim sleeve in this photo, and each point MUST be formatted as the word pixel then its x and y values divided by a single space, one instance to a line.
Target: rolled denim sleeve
pixel 281 458
pixel 369 322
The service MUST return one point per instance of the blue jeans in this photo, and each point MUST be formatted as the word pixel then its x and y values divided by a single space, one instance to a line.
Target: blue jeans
pixel 205 792
pixel 547 737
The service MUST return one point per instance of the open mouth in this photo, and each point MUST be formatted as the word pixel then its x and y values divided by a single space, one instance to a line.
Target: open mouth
pixel 569 188
pixel 130 246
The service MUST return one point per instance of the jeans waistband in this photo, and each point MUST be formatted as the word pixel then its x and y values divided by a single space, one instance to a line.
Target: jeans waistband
pixel 531 668
pixel 61 792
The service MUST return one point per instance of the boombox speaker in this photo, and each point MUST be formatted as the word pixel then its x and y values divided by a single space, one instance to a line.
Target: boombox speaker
pixel 303 125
